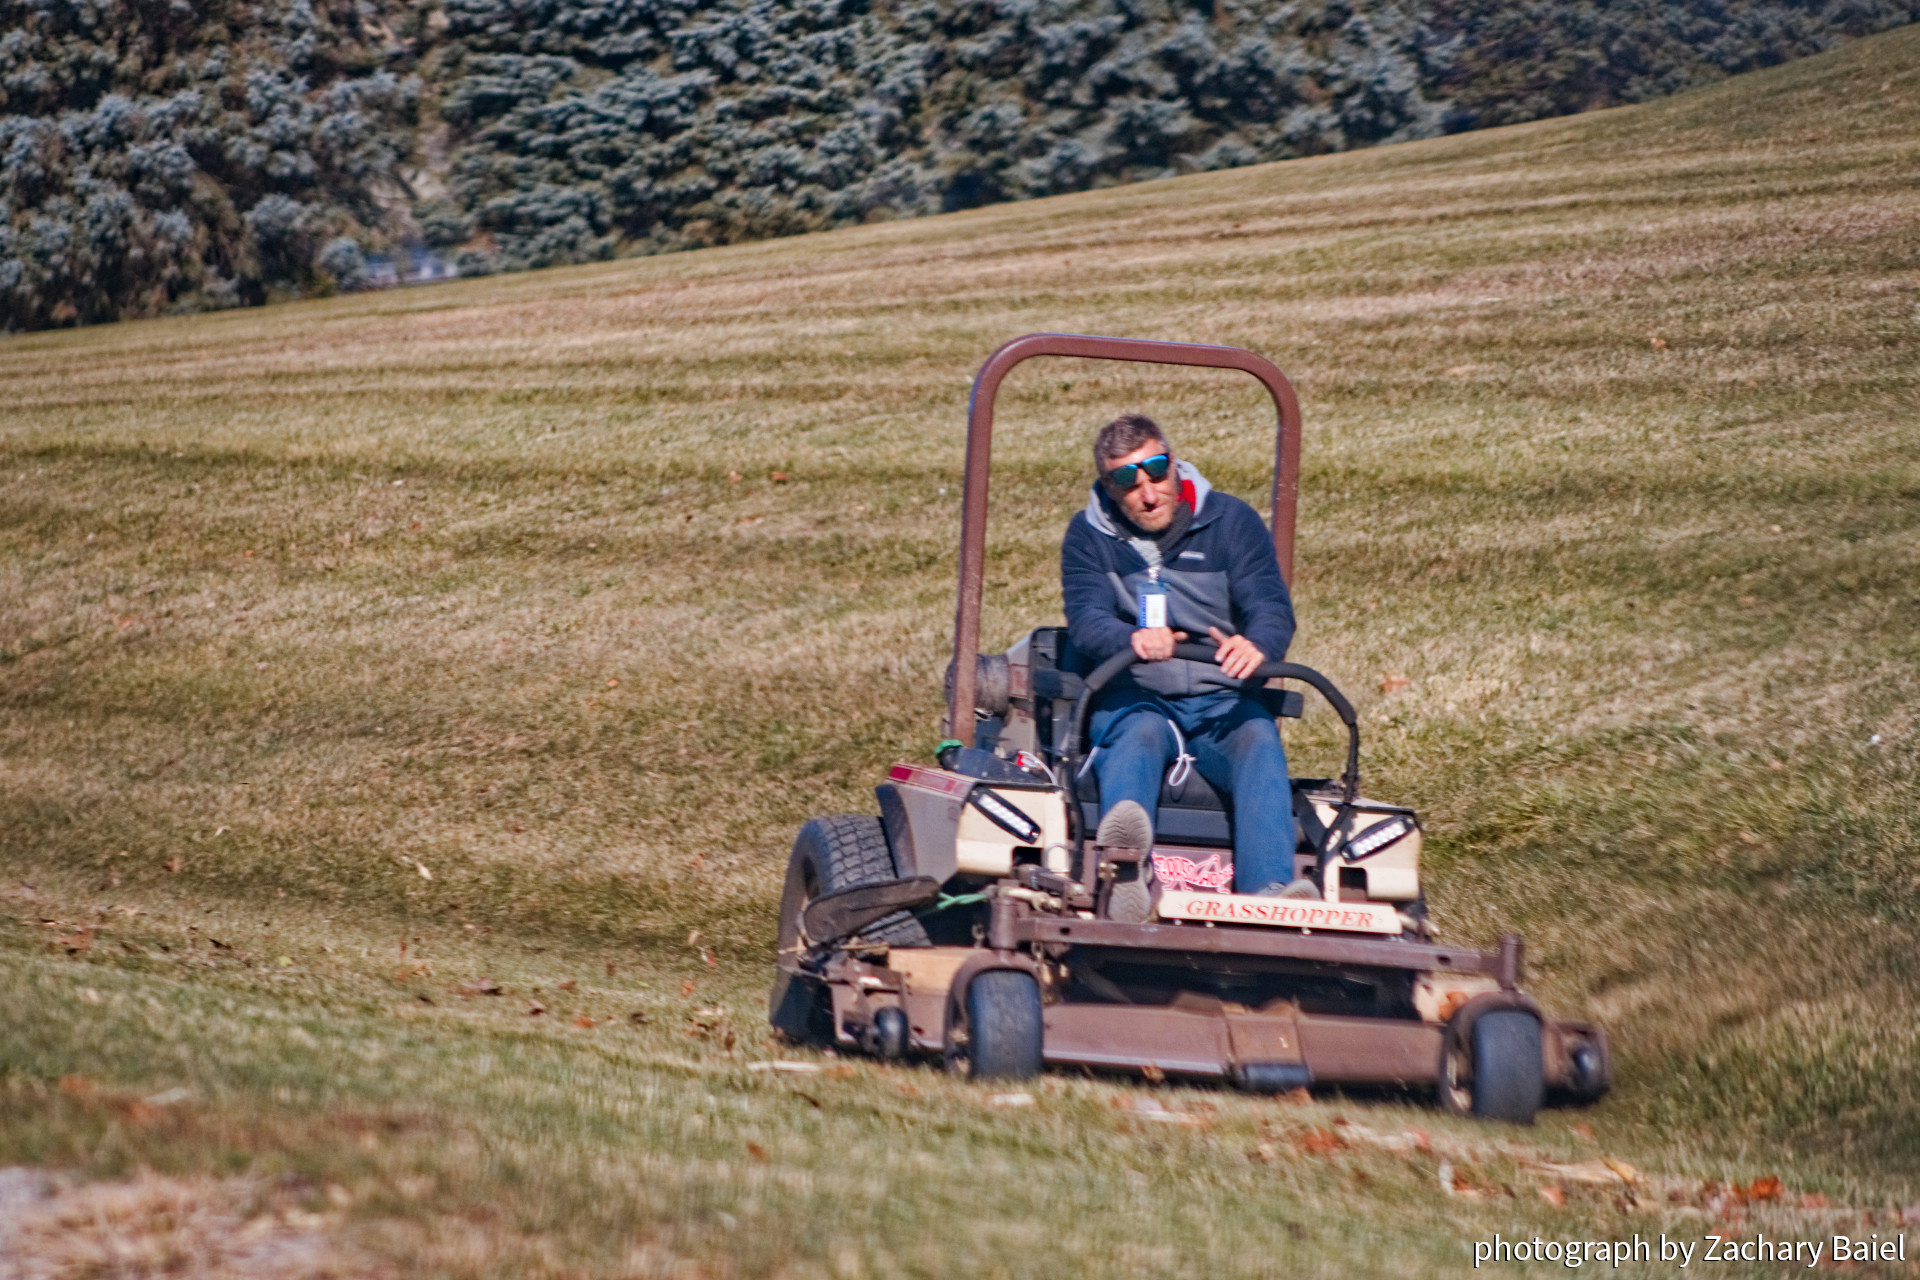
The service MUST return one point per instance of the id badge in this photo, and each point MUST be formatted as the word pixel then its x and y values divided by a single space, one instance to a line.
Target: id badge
pixel 1153 605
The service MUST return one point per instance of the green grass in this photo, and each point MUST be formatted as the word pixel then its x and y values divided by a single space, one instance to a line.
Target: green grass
pixel 1611 450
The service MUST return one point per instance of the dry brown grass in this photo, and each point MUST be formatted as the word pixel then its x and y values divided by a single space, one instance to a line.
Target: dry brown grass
pixel 313 597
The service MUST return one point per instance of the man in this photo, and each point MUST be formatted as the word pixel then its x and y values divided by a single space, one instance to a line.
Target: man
pixel 1154 558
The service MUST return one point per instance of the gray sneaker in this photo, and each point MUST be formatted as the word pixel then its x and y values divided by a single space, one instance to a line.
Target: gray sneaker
pixel 1301 888
pixel 1126 826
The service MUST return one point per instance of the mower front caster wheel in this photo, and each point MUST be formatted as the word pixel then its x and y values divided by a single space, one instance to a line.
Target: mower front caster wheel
pixel 1492 1070
pixel 1000 1033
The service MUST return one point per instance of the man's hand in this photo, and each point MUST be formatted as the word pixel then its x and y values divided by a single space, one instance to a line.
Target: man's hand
pixel 1155 644
pixel 1239 656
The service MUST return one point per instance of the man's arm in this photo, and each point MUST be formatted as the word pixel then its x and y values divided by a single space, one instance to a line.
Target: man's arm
pixel 1258 591
pixel 1095 629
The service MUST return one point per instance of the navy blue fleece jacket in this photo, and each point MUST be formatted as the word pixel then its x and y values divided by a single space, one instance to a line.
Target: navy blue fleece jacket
pixel 1221 572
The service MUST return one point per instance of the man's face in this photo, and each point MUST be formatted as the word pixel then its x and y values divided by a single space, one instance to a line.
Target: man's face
pixel 1150 504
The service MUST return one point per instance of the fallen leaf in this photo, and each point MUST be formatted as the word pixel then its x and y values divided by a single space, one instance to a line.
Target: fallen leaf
pixel 1583 1132
pixel 1768 1188
pixel 1320 1141
pixel 535 1008
pixel 757 1151
pixel 733 477
pixel 613 683
pixel 638 1017
pixel 1393 682
pixel 709 958
pixel 1171 1117
pixel 779 477
pixel 1265 1153
pixel 1592 1171
pixel 693 936
pixel 1659 344
pixel 686 988
pixel 842 1071
pixel 582 1020
pixel 1630 1175
pixel 908 1090
pixel 569 984
pixel 76 1086
pixel 479 987
pixel 174 864
pixel 421 867
pixel 1555 1196
pixel 89 995
pixel 1153 1073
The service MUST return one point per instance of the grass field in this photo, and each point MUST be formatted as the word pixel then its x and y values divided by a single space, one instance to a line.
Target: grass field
pixel 358 657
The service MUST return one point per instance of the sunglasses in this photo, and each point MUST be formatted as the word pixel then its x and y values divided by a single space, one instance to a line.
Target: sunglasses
pixel 1125 478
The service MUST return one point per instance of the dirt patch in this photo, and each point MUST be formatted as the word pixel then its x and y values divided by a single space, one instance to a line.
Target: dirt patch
pixel 52 1228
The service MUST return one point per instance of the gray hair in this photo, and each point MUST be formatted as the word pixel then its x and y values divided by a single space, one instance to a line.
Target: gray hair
pixel 1122 436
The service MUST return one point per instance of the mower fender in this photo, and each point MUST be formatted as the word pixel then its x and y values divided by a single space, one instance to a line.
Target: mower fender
pixel 899 829
pixel 927 824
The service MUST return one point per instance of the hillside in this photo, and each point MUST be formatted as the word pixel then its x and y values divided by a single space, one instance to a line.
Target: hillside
pixel 169 158
pixel 361 656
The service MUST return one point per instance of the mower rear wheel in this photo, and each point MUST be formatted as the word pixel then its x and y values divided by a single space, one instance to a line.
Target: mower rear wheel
pixel 843 852
pixel 1494 1071
pixel 1004 1028
pixel 839 852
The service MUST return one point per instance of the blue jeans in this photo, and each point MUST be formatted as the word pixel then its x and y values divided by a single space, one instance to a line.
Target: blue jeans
pixel 1236 747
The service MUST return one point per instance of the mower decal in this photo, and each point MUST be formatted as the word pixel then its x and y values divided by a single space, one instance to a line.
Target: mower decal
pixel 946 784
pixel 1290 913
pixel 1178 873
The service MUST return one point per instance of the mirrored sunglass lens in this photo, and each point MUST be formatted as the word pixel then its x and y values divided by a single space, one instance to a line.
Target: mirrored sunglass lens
pixel 1124 478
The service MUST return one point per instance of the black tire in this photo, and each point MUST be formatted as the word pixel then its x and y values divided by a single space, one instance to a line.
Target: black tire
pixel 830 854
pixel 1495 1073
pixel 1005 1027
pixel 1587 1080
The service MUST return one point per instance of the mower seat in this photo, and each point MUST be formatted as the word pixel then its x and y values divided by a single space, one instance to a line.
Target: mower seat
pixel 1192 813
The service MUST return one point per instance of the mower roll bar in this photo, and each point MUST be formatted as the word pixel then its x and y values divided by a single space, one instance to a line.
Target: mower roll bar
pixel 973 503
pixel 1104 674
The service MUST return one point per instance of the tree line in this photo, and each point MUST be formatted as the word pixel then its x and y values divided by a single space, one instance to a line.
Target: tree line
pixel 159 156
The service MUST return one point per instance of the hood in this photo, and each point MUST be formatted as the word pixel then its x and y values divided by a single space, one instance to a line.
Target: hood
pixel 1193 487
